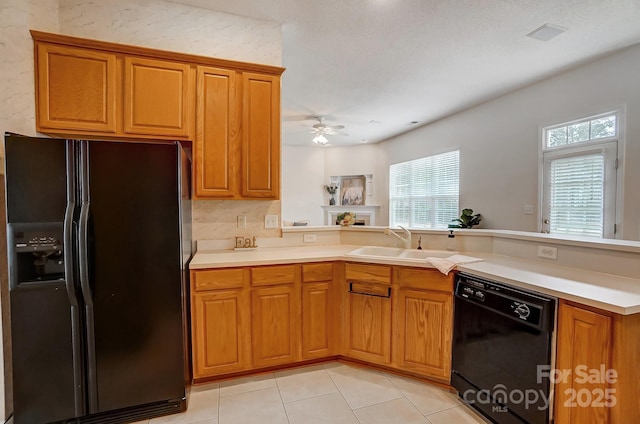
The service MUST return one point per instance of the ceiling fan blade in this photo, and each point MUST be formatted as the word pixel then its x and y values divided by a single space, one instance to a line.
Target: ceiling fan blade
pixel 336 127
pixel 331 132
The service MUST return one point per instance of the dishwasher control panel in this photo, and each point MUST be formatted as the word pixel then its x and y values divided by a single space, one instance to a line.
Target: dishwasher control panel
pixel 507 301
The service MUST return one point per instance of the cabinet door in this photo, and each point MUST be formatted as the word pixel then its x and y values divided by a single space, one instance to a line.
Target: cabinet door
pixel 368 327
pixel 260 136
pixel 317 320
pixel 422 332
pixel 584 340
pixel 216 148
pixel 221 332
pixel 275 325
pixel 75 89
pixel 158 97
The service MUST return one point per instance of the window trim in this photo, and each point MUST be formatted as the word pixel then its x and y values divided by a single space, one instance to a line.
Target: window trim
pixel 620 112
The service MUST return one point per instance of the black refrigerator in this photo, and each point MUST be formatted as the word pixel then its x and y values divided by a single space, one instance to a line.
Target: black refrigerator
pixel 98 241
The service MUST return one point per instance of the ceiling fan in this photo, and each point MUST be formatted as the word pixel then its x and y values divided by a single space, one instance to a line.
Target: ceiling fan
pixel 321 130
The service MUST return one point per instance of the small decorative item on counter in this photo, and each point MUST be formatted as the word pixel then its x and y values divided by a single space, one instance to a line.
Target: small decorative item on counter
pixel 451 241
pixel 346 218
pixel 246 243
pixel 331 189
pixel 467 219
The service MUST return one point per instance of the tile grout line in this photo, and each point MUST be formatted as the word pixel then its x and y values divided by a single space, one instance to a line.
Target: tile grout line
pixel 341 394
pixel 416 406
pixel 247 391
pixel 219 401
pixel 286 414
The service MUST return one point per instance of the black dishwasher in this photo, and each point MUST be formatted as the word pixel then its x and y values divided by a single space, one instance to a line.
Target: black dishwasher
pixel 502 341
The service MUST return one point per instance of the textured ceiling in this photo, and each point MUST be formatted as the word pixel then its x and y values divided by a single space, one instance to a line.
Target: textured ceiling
pixel 375 66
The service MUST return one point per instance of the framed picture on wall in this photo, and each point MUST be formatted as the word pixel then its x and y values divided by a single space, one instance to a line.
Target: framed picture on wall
pixel 352 190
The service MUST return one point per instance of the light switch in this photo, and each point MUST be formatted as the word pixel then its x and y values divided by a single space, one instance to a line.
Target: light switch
pixel 271 221
pixel 242 221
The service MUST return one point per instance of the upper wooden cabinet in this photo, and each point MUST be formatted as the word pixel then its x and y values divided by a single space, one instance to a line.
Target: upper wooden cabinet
pixel 237 135
pixel 230 110
pixel 88 91
pixel 158 97
pixel 75 89
pixel 217 147
pixel 261 136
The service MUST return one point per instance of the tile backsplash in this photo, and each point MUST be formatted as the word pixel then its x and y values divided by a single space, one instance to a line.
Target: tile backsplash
pixel 218 219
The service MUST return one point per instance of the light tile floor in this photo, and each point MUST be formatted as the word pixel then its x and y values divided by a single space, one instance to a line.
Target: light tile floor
pixel 330 393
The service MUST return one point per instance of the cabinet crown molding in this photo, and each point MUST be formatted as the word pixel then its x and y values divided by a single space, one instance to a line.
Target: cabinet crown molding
pixel 154 53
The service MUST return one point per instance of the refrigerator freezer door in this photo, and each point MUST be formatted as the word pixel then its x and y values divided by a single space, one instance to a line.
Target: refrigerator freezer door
pixel 46 351
pixel 134 274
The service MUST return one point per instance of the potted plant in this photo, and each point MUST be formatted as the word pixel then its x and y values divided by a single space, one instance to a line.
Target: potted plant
pixel 467 219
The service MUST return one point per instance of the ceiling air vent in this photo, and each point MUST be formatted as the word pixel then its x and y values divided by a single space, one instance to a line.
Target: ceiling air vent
pixel 546 32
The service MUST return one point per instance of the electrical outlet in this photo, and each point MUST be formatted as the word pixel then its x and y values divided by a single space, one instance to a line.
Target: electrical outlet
pixel 528 210
pixel 548 252
pixel 309 238
pixel 242 221
pixel 271 221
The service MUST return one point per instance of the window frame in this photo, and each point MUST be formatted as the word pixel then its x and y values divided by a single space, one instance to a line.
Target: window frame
pixel 612 208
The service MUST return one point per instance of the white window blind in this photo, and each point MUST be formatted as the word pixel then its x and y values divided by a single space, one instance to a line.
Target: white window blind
pixel 576 195
pixel 423 193
pixel 579 177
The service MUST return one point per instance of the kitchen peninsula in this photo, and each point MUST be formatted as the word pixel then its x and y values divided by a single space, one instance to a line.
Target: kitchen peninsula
pixel 323 302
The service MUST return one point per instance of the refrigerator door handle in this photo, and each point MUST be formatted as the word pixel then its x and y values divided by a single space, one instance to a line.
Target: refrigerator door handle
pixel 69 277
pixel 83 264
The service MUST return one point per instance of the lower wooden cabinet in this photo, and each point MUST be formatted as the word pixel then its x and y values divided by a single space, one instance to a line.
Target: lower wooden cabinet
pixel 597 363
pixel 422 332
pixel 274 325
pixel 367 327
pixel 221 338
pixel 422 322
pixel 317 320
pixel 257 317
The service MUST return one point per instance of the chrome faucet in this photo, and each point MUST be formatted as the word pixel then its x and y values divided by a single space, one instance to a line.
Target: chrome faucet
pixel 405 238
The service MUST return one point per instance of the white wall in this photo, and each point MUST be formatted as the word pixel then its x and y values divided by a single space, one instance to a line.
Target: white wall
pixel 499 142
pixel 17 98
pixel 303 174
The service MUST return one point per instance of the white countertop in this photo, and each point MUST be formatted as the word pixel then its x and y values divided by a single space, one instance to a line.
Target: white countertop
pixel 605 291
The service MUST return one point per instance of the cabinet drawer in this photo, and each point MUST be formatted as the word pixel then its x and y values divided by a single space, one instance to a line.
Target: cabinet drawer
pixel 219 279
pixel 371 273
pixel 426 279
pixel 267 276
pixel 317 272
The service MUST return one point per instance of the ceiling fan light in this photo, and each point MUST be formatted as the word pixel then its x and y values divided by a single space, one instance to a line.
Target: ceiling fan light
pixel 320 139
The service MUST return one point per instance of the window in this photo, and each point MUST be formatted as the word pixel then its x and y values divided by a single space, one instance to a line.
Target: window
pixel 579 161
pixel 423 193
